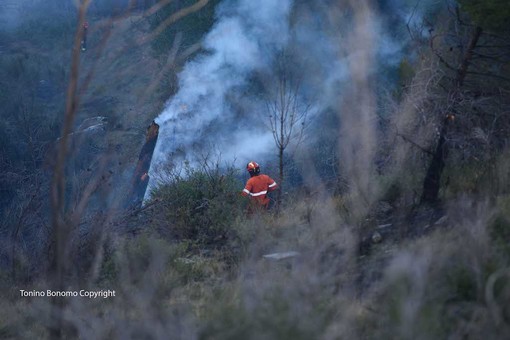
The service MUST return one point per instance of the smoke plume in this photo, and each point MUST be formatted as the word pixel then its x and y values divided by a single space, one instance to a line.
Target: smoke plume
pixel 245 38
pixel 220 103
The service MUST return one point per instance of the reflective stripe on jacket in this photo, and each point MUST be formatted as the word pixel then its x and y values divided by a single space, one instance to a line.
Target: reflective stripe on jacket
pixel 257 188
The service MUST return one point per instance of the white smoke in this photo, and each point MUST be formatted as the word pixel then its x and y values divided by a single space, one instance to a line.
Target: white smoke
pixel 218 105
pixel 245 38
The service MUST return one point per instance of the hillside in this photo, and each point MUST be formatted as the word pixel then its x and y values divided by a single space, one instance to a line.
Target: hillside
pixel 383 127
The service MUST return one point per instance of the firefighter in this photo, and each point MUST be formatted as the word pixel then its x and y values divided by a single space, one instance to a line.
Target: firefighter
pixel 84 36
pixel 258 186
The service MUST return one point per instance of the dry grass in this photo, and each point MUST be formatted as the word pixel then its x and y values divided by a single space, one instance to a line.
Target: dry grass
pixel 182 268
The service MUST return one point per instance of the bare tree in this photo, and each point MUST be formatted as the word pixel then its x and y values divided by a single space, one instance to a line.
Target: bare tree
pixel 65 220
pixel 472 59
pixel 287 113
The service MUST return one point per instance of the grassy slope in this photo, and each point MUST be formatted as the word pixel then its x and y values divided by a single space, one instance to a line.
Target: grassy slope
pixel 171 282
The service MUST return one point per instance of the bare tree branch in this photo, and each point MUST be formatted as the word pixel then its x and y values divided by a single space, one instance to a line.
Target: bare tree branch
pixel 173 18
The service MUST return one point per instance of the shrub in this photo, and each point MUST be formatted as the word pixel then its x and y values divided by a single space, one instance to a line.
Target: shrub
pixel 202 206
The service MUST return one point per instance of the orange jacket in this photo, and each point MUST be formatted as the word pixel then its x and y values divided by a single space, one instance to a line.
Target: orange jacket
pixel 258 186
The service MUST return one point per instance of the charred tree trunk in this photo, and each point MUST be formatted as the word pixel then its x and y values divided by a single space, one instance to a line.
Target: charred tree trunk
pixel 432 181
pixel 280 184
pixel 140 177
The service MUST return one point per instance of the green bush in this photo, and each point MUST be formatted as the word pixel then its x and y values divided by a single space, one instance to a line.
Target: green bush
pixel 490 14
pixel 203 206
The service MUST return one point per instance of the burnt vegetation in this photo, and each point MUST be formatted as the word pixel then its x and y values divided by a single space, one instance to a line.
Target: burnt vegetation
pixel 394 216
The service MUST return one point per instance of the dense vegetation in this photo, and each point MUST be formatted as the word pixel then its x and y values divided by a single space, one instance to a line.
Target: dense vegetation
pixel 402 231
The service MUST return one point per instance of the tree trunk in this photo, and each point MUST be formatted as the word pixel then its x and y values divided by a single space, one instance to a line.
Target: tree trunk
pixel 140 177
pixel 432 181
pixel 280 184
